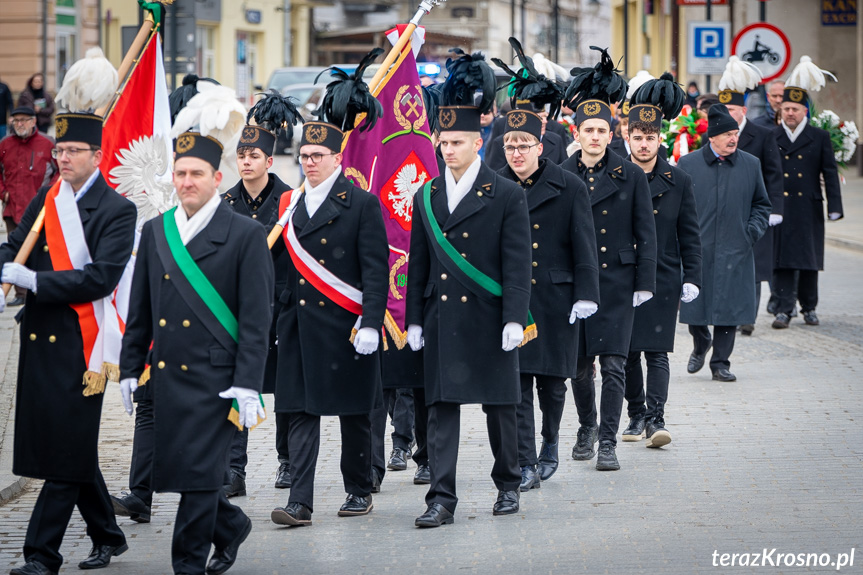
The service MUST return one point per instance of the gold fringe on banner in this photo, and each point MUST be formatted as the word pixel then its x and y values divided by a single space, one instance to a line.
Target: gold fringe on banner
pixel 111 371
pixel 94 383
pixel 145 377
pixel 400 338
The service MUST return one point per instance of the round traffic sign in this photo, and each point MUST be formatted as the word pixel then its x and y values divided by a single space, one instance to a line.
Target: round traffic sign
pixel 765 46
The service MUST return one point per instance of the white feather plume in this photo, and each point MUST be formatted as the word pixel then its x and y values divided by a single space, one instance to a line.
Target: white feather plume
pixel 213 111
pixel 89 84
pixel 739 76
pixel 637 81
pixel 548 68
pixel 808 76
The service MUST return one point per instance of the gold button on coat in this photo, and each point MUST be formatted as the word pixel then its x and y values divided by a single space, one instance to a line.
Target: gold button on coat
pixel 302 282
pixel 602 231
pixel 45 248
pixel 167 277
pixel 786 193
pixel 463 299
pixel 162 323
pixel 302 302
pixel 535 245
pixel 184 367
pixel 161 365
pixel 604 266
pixel 443 276
pixel 603 249
pixel 479 194
pixel 322 262
pixel 465 235
pixel 533 281
pixel 655 212
pixel 443 297
pixel 52 338
pixel 32 337
pixel 604 212
pixel 186 323
pixel 324 241
pixel 799 157
pixel 320 303
pixel 535 264
pixel 786 174
pixel 536 226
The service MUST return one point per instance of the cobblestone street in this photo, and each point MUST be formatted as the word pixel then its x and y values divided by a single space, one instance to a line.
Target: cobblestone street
pixel 772 460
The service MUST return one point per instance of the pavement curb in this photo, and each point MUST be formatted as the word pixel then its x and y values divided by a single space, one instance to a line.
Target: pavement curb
pixel 11 491
pixel 843 242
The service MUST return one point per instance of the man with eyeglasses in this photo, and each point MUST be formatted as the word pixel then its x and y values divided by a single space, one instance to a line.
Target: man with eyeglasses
pixel 329 325
pixel 564 287
pixel 71 274
pixel 26 164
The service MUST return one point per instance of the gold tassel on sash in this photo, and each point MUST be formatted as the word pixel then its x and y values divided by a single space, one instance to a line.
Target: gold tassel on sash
pixel 530 334
pixel 94 383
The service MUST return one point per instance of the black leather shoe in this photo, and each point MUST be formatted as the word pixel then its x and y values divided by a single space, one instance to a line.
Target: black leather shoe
pixel 131 506
pixel 810 318
pixel 747 329
pixel 398 459
pixel 506 504
pixel 529 478
pixel 723 374
pixel 292 515
pixel 435 516
pixel 657 435
pixel 548 460
pixel 696 360
pixel 32 568
pixel 16 302
pixel 356 505
pixel 376 481
pixel 584 444
pixel 635 430
pixel 782 320
pixel 423 475
pixel 606 460
pixel 101 555
pixel 223 559
pixel 283 477
pixel 237 486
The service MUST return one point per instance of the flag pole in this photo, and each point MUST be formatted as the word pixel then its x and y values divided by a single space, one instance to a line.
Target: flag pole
pixel 424 8
pixel 130 59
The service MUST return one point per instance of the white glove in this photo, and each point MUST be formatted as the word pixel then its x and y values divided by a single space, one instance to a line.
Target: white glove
pixel 832 215
pixel 415 337
pixel 19 275
pixel 582 309
pixel 640 297
pixel 513 334
pixel 249 403
pixel 366 341
pixel 774 220
pixel 127 388
pixel 690 291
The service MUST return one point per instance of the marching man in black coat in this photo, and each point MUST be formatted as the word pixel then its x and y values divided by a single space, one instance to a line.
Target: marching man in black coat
pixel 807 156
pixel 760 141
pixel 468 295
pixel 72 272
pixel 625 236
pixel 565 283
pixel 257 196
pixel 209 346
pixel 678 245
pixel 337 285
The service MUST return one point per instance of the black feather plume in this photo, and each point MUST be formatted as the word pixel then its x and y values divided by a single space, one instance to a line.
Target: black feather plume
pixel 348 97
pixel 602 82
pixel 181 96
pixel 468 74
pixel 664 93
pixel 528 84
pixel 275 112
pixel 432 99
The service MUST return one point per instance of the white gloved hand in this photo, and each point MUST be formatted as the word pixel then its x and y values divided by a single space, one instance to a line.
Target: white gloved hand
pixel 640 297
pixel 19 275
pixel 249 403
pixel 582 309
pixel 513 334
pixel 774 220
pixel 366 341
pixel 127 388
pixel 832 215
pixel 415 337
pixel 690 292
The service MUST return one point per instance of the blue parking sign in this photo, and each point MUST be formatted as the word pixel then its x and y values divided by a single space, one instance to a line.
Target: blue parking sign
pixel 710 42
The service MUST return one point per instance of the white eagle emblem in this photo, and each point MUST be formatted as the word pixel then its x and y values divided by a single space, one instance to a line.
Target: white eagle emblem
pixel 406 183
pixel 140 177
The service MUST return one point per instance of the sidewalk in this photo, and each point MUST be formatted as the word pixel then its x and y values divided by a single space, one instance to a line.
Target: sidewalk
pixel 848 232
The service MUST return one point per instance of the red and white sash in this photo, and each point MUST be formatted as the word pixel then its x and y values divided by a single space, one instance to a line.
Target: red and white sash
pixel 100 324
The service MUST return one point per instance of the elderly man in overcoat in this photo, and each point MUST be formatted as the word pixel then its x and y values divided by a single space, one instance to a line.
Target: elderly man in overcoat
pixel 807 157
pixel 733 210
pixel 56 419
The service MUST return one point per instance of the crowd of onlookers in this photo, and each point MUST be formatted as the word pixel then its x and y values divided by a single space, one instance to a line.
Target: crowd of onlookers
pixel 35 96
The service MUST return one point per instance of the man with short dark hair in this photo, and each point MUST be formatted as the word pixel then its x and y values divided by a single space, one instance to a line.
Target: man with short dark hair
pixel 733 210
pixel 25 166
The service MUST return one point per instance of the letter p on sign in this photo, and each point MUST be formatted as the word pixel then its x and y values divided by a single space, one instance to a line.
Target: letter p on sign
pixel 709 43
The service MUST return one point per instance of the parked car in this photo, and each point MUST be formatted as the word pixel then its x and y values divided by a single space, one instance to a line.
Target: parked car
pixel 308 97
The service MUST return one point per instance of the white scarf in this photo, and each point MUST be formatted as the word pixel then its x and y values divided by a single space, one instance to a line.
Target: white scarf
pixel 455 191
pixel 741 126
pixel 191 227
pixel 793 135
pixel 315 196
